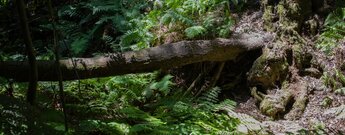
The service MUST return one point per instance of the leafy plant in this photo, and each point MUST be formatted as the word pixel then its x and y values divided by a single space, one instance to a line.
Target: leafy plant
pixel 136 103
pixel 3 2
pixel 195 31
pixel 334 31
pixel 102 22
pixel 98 126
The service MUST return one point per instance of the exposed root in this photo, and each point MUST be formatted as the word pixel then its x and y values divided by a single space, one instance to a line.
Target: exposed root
pixel 301 97
pixel 273 105
pixel 217 74
pixel 215 78
pixel 256 94
pixel 193 84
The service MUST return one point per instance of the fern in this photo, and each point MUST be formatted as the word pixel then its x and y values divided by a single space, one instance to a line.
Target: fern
pixel 103 127
pixel 130 38
pixel 162 86
pixel 69 11
pixel 90 18
pixel 334 31
pixel 176 16
pixel 171 17
pixel 226 104
pixel 195 31
pixel 248 124
pixel 210 96
pixel 209 101
pixel 224 30
pixel 80 45
pixel 104 6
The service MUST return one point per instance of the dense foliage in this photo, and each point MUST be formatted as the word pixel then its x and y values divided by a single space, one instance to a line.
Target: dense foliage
pixel 333 31
pixel 131 104
pixel 89 27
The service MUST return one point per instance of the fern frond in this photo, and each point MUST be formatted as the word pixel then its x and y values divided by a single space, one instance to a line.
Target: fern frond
pixel 129 38
pixel 226 104
pixel 224 30
pixel 80 45
pixel 334 31
pixel 69 11
pixel 104 6
pixel 134 113
pixel 164 85
pixel 195 31
pixel 208 100
pixel 247 124
pixel 172 16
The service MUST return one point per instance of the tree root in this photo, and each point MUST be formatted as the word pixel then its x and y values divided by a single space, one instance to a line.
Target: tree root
pixel 273 105
pixel 301 97
pixel 193 84
pixel 276 104
pixel 214 78
pixel 256 94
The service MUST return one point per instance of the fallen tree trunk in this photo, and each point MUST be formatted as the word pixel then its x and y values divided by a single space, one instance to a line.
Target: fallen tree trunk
pixel 161 57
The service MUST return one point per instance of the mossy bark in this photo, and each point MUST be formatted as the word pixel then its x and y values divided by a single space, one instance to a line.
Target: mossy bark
pixel 161 57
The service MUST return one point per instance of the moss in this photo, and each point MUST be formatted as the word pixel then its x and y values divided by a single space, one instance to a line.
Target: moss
pixel 280 9
pixel 268 18
pixel 271 67
pixel 273 105
pixel 327 101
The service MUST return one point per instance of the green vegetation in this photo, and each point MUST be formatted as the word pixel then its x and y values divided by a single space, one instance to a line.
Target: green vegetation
pixel 191 100
pixel 334 31
pixel 100 26
pixel 131 104
pixel 141 24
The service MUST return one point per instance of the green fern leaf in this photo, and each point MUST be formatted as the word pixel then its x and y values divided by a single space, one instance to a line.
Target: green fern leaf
pixel 209 99
pixel 80 45
pixel 195 31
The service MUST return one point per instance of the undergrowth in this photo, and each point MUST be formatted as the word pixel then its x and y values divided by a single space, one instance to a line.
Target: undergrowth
pixel 131 104
pixel 105 25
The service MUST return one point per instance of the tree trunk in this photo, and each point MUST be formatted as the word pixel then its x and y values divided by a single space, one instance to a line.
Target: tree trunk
pixel 164 56
pixel 279 68
pixel 32 67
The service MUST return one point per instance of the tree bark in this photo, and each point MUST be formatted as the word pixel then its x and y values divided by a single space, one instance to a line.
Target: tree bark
pixel 32 67
pixel 163 56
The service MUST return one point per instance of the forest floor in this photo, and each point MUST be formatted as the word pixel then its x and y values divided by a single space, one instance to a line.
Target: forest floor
pixel 319 115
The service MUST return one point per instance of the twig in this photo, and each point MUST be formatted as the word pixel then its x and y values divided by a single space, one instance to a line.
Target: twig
pixel 214 79
pixel 217 75
pixel 193 84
